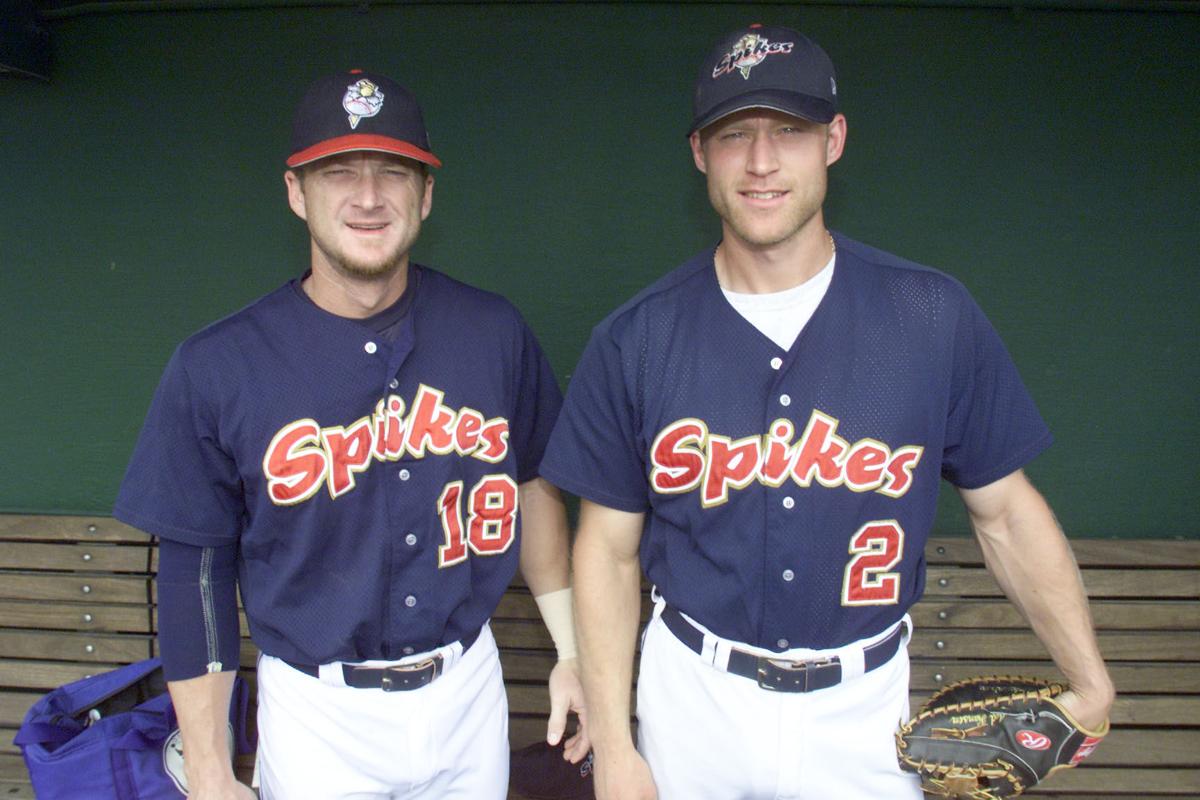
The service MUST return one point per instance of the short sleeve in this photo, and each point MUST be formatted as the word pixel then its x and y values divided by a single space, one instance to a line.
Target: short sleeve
pixel 538 402
pixel 595 452
pixel 994 427
pixel 180 483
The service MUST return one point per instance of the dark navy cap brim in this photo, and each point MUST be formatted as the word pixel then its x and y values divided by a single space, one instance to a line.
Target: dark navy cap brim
pixel 815 109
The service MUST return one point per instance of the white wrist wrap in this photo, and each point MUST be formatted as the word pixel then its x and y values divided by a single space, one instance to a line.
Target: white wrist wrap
pixel 557 610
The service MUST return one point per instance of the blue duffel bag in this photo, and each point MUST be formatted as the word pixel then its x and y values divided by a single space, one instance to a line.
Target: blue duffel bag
pixel 114 736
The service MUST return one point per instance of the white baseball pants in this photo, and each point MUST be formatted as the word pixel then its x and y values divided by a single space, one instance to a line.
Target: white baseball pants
pixel 320 739
pixel 711 735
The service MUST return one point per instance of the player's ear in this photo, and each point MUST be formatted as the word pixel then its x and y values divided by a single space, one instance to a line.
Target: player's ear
pixel 698 152
pixel 835 139
pixel 427 200
pixel 295 193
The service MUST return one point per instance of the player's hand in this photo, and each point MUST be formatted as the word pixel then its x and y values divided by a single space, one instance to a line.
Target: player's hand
pixel 566 694
pixel 1090 710
pixel 624 776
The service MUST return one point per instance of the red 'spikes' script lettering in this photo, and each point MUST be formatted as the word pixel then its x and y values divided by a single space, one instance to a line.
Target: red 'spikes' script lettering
pixel 685 456
pixel 302 455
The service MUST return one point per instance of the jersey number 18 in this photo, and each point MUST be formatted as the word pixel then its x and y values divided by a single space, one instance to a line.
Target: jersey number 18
pixel 491 518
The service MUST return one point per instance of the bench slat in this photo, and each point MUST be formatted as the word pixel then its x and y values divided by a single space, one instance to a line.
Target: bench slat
pixel 13 706
pixel 527 665
pixel 1151 748
pixel 77 587
pixel 75 616
pixel 46 675
pixel 86 647
pixel 89 557
pixel 48 527
pixel 1131 615
pixel 1161 583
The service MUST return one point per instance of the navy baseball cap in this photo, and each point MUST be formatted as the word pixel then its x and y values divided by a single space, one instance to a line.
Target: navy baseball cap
pixel 765 67
pixel 358 110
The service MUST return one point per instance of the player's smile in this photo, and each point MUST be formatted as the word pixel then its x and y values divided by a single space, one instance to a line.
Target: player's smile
pixel 764 199
pixel 368 229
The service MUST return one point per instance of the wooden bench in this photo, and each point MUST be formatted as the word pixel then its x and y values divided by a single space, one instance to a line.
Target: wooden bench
pixel 76 597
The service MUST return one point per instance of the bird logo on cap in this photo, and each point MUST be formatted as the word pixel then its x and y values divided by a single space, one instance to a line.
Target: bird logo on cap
pixel 362 99
pixel 748 53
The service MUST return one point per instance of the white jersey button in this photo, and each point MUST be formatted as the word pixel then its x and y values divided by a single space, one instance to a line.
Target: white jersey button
pixel 405 474
pixel 394 384
pixel 785 399
pixel 788 502
pixel 410 601
pixel 788 575
pixel 408 651
pixel 782 644
pixel 411 539
pixel 370 347
pixel 776 362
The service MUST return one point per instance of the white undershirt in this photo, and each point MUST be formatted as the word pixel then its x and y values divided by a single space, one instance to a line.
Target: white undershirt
pixel 780 316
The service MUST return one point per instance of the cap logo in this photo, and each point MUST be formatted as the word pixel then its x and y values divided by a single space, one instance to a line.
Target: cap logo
pixel 750 51
pixel 362 99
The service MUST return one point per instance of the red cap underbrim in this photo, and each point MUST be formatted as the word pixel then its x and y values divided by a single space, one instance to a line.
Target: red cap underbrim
pixel 362 141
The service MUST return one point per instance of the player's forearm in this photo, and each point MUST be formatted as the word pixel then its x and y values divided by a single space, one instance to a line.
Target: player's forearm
pixel 1031 559
pixel 544 538
pixel 607 606
pixel 202 708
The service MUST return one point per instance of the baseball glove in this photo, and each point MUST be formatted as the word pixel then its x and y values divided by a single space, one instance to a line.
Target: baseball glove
pixel 993 737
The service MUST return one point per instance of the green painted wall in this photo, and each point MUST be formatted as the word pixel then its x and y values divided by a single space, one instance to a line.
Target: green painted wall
pixel 1047 159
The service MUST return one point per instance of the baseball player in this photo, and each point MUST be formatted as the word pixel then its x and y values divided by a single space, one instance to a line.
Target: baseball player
pixel 357 452
pixel 764 429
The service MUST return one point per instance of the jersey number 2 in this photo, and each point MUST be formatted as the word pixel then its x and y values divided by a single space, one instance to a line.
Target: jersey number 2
pixel 490 523
pixel 876 547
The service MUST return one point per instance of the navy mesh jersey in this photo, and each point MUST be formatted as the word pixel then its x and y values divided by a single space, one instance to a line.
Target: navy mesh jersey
pixel 789 494
pixel 371 486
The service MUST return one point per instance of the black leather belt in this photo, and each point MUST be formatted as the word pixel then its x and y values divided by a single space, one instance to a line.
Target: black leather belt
pixel 401 678
pixel 780 675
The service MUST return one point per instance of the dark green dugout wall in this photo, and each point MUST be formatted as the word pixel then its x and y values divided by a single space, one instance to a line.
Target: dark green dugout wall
pixel 1047 158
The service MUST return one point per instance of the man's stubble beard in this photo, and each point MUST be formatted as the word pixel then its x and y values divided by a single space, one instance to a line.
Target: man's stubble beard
pixel 369 271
